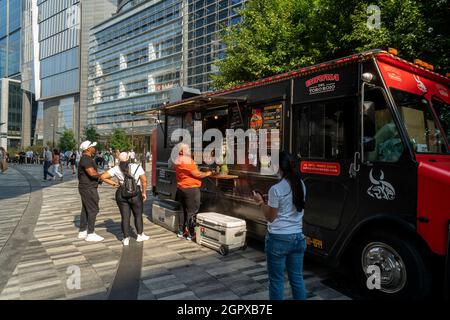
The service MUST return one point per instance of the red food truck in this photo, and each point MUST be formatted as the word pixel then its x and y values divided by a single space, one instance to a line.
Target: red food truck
pixel 372 133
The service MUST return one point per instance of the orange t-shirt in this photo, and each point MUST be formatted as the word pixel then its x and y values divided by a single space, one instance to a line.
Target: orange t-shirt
pixel 183 169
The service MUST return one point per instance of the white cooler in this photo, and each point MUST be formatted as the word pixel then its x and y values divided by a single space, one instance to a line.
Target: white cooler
pixel 166 214
pixel 220 232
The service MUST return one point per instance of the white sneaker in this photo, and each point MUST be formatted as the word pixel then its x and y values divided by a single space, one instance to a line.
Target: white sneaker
pixel 126 241
pixel 82 235
pixel 93 237
pixel 142 237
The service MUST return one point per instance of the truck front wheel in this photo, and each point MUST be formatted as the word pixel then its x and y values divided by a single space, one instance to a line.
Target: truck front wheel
pixel 392 267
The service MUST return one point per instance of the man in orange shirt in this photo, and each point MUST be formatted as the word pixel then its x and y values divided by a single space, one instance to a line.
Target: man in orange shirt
pixel 188 190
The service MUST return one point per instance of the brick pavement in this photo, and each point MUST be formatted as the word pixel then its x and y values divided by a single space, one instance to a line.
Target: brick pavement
pixel 167 267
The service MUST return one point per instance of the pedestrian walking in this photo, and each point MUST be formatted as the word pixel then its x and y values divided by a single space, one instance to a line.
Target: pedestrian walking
pixel 73 161
pixel 130 195
pixel 78 154
pixel 67 156
pixel 88 180
pixel 56 162
pixel 285 243
pixel 3 162
pixel 47 155
pixel 189 180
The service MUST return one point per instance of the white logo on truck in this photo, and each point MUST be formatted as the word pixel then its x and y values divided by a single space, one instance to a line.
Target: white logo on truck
pixel 380 189
pixel 420 85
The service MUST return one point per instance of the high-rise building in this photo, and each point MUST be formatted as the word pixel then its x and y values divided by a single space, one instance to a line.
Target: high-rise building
pixel 146 49
pixel 10 104
pixel 10 113
pixel 135 58
pixel 207 18
pixel 59 33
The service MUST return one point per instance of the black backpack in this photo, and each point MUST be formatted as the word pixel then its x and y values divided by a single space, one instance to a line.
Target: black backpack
pixel 129 188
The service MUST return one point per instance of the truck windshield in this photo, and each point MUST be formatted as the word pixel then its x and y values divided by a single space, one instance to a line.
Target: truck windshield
pixel 442 110
pixel 424 134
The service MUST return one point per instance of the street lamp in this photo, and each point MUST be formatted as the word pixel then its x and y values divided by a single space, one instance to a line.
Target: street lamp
pixel 132 113
pixel 52 125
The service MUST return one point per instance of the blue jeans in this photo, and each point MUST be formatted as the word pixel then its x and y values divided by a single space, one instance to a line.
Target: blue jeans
pixel 285 251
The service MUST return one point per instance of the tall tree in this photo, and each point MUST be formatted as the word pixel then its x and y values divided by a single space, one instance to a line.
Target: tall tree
pixel 91 134
pixel 119 140
pixel 281 35
pixel 67 141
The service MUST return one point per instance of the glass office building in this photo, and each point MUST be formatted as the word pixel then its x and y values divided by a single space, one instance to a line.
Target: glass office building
pixel 135 58
pixel 10 91
pixel 61 49
pixel 10 113
pixel 148 48
pixel 10 23
pixel 207 18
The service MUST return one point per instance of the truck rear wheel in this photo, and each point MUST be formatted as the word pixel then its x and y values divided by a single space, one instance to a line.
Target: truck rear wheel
pixel 397 262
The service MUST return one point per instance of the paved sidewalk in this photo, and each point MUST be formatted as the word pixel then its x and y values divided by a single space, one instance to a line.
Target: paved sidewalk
pixel 164 267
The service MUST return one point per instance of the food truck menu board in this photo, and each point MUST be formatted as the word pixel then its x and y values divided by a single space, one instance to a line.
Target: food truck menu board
pixel 236 118
pixel 268 117
pixel 272 117
pixel 173 123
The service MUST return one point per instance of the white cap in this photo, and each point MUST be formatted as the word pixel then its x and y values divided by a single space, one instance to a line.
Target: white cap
pixel 87 144
pixel 123 157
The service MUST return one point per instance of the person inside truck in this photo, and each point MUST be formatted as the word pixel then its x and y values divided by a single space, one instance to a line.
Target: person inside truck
pixel 189 180
pixel 285 243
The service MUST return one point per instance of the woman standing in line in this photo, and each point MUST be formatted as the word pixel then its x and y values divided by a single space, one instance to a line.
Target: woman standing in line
pixel 127 204
pixel 285 243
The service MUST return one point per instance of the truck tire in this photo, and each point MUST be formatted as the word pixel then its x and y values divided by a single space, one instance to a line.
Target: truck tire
pixel 405 271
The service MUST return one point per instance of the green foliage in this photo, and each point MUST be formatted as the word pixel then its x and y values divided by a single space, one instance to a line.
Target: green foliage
pixel 91 134
pixel 119 140
pixel 67 141
pixel 280 35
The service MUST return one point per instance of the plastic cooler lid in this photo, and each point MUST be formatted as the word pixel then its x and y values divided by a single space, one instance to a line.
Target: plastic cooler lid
pixel 220 219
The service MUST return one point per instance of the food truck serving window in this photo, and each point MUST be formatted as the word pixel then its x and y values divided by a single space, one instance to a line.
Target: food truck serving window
pixel 327 130
pixel 424 134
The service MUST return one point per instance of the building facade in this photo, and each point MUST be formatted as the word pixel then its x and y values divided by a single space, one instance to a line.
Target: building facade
pixel 10 113
pixel 135 58
pixel 10 92
pixel 60 45
pixel 147 49
pixel 207 18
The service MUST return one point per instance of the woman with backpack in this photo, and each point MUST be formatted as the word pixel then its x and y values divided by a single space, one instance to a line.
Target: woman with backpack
pixel 130 194
pixel 285 243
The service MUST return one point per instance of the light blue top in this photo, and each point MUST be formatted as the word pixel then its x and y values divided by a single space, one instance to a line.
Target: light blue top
pixel 288 220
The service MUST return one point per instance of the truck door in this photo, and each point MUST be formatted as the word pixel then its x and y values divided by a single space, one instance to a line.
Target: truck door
pixel 387 177
pixel 326 142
